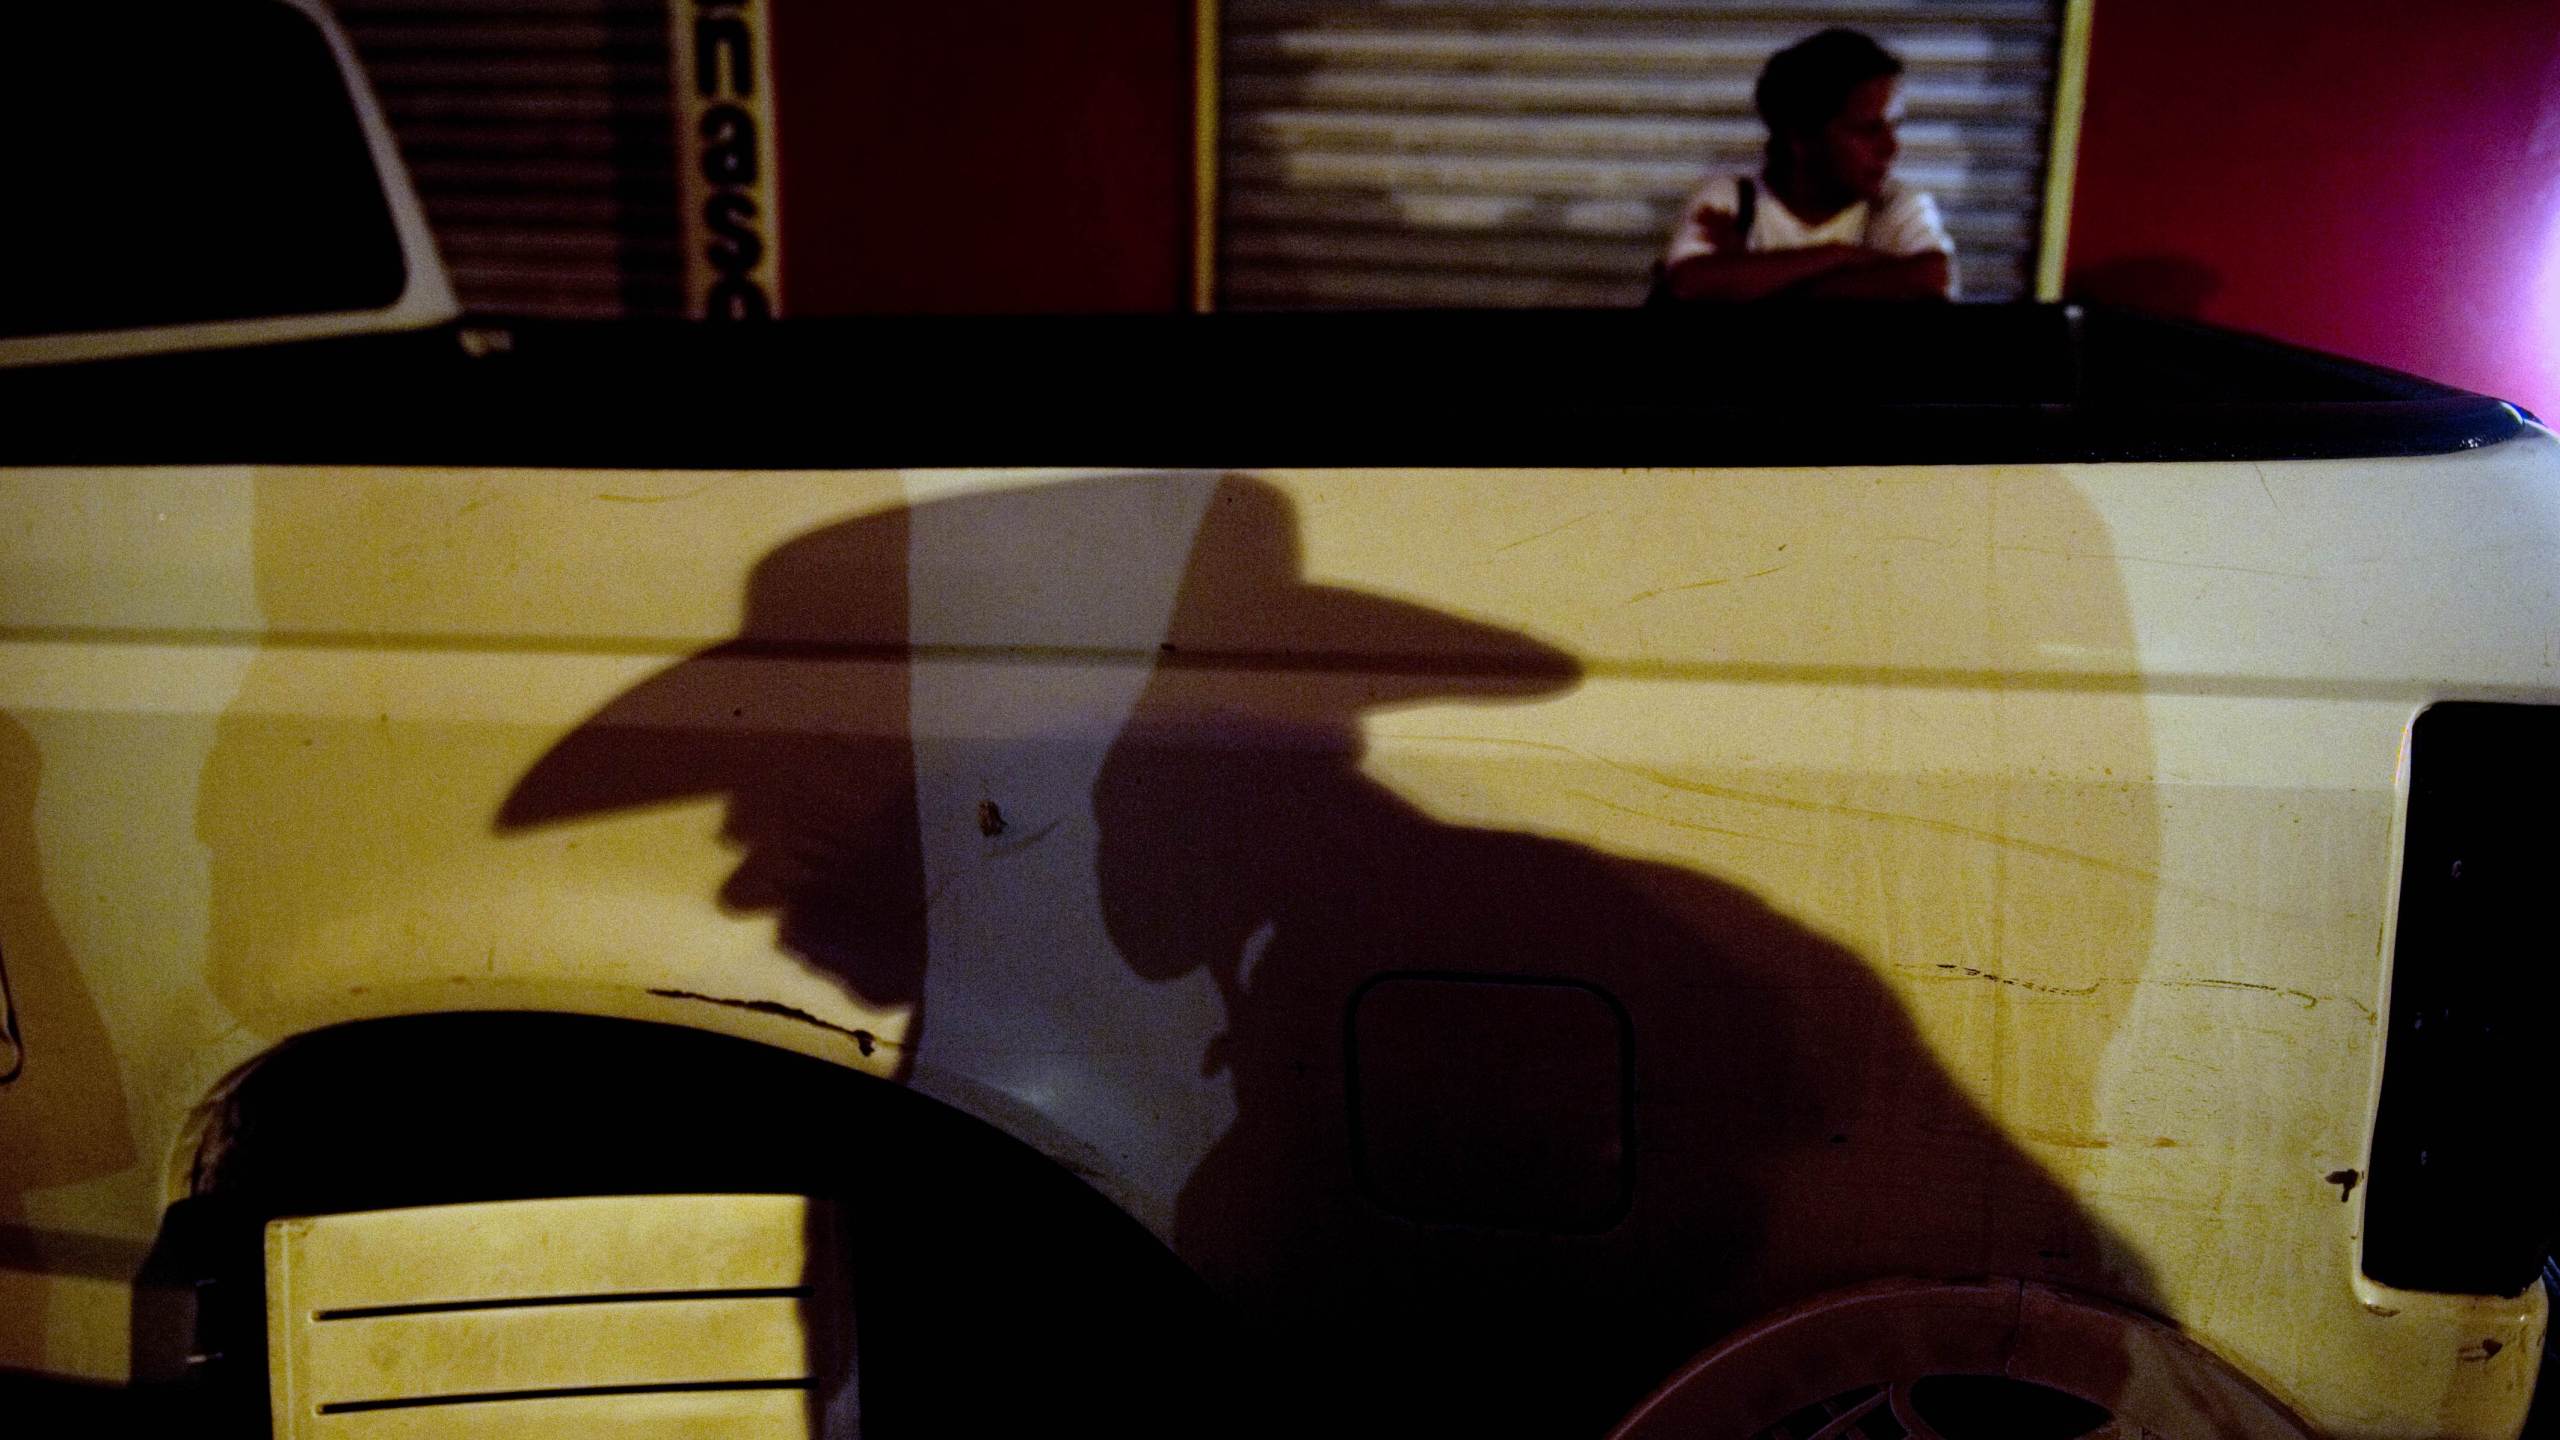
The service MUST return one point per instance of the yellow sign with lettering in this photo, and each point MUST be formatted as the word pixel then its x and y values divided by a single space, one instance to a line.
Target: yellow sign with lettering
pixel 723 82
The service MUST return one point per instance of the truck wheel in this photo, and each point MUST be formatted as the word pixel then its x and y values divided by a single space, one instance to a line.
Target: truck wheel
pixel 1969 1361
pixel 1953 1407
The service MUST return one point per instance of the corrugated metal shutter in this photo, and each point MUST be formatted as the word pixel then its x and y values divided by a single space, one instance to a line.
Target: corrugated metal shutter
pixel 1536 152
pixel 538 132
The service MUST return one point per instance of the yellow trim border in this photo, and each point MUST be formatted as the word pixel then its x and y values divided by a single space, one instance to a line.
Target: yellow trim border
pixel 1204 156
pixel 2062 161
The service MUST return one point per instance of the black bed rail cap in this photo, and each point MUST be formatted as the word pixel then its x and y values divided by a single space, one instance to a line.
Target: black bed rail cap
pixel 1812 385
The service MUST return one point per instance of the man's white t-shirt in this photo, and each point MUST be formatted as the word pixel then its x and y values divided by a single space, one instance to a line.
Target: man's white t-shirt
pixel 1900 221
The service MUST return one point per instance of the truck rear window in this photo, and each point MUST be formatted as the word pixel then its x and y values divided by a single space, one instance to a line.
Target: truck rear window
pixel 174 163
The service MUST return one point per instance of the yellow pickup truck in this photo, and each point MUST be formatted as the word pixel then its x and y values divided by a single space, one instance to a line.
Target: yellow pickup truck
pixel 1940 872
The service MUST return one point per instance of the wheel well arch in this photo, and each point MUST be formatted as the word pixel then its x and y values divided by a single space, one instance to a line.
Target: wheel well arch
pixel 957 1237
pixel 430 1108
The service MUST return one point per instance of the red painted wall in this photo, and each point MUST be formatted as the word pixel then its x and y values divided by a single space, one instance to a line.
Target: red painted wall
pixel 2379 178
pixel 984 156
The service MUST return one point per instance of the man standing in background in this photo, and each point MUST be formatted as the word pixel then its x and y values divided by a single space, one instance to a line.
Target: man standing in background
pixel 1824 219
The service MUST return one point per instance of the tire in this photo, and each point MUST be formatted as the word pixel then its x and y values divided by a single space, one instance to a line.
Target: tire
pixel 1969 1361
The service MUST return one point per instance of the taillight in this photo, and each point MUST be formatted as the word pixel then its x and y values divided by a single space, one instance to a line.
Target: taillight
pixel 2462 1144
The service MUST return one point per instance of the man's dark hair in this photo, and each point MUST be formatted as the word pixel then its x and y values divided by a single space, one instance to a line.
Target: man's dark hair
pixel 1803 86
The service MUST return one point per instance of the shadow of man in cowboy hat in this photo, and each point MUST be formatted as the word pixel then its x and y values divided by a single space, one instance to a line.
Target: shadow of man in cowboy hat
pixel 1516 1124
pixel 801 724
pixel 1520 1124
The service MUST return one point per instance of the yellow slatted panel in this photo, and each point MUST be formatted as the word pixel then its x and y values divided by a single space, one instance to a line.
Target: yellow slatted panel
pixel 697 1415
pixel 551 1347
pixel 370 1314
pixel 584 1245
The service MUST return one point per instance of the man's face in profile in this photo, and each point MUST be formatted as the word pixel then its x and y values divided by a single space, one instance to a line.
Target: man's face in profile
pixel 1855 151
pixel 830 852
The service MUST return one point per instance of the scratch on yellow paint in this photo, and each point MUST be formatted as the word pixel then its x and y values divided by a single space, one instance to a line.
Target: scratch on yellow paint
pixel 1822 807
pixel 2153 560
pixel 651 499
pixel 2304 998
pixel 1544 534
pixel 1660 819
pixel 2073 1141
pixel 1644 595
